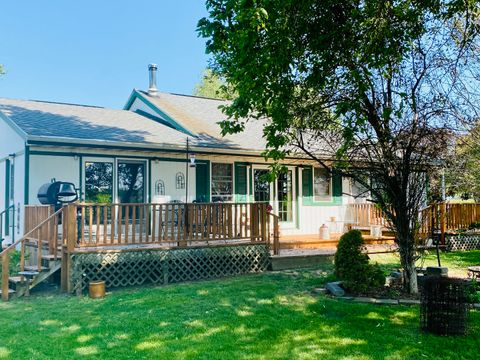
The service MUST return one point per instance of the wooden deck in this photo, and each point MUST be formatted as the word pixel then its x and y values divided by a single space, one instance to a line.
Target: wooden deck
pixel 313 241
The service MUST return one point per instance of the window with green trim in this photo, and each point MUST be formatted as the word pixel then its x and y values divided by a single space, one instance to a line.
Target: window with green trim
pixel 322 185
pixel 222 182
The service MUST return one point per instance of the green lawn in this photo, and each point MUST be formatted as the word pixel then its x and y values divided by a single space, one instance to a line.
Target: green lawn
pixel 457 262
pixel 266 316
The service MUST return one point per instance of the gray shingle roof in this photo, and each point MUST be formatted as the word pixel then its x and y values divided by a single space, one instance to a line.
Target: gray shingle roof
pixel 80 123
pixel 202 115
pixel 54 120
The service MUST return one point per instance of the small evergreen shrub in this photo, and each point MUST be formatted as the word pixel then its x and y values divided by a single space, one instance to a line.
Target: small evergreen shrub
pixel 352 265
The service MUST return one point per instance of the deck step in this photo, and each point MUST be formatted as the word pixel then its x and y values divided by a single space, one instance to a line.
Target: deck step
pixel 10 291
pixel 16 279
pixel 35 268
pixel 51 257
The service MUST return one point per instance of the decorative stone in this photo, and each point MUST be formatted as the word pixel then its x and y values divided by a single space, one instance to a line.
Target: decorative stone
pixel 335 289
pixel 320 290
pixel 409 302
pixel 348 298
pixel 396 275
pixel 365 300
pixel 476 306
pixel 387 301
pixel 437 271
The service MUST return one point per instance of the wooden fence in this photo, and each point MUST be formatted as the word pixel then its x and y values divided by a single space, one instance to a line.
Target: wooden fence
pixel 444 217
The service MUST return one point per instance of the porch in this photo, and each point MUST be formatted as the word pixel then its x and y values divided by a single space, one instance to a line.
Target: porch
pixel 132 244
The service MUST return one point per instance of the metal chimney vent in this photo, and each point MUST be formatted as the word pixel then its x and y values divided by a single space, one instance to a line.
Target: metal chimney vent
pixel 152 75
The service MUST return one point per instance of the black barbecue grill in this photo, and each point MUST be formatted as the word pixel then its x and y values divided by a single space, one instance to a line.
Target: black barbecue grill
pixel 57 193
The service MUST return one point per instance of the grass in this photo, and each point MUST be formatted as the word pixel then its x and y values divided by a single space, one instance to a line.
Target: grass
pixel 265 316
pixel 457 262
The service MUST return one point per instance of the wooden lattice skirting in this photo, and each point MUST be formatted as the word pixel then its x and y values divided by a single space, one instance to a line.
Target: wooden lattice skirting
pixel 129 268
pixel 463 242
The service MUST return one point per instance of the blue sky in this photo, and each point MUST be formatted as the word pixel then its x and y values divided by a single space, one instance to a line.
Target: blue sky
pixel 96 52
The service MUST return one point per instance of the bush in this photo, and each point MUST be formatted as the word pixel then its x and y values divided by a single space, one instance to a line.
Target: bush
pixel 352 265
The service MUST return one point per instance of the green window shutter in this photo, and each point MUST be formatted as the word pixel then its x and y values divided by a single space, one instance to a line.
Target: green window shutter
pixel 241 182
pixel 337 190
pixel 202 182
pixel 307 186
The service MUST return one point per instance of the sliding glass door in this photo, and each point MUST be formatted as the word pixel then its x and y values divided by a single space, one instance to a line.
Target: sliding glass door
pixel 131 181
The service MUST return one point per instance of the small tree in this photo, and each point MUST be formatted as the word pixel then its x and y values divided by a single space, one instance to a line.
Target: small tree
pixel 352 264
pixel 368 89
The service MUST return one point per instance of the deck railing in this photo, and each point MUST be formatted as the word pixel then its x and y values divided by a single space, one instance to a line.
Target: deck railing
pixel 172 224
pixel 366 214
pixel 39 241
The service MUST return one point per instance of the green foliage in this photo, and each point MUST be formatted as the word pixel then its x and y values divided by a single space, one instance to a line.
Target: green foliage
pixel 2 69
pixel 462 173
pixel 475 225
pixel 13 264
pixel 363 83
pixel 352 265
pixel 474 292
pixel 213 86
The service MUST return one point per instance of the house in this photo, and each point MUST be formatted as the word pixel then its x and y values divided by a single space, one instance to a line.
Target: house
pixel 139 155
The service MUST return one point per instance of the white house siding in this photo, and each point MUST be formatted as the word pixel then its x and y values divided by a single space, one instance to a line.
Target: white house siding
pixel 11 143
pixel 44 168
pixel 140 105
pixel 166 171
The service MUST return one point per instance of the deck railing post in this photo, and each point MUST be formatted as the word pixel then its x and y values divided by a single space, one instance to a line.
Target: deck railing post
pixel 276 236
pixel 5 275
pixel 69 241
pixel 443 222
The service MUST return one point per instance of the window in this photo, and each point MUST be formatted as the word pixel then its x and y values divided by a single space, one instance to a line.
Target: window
pixel 285 196
pixel 322 185
pixel 222 182
pixel 98 182
pixel 131 182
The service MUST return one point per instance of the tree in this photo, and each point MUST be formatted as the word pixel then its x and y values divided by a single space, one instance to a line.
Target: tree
pixel 463 166
pixel 212 86
pixel 368 89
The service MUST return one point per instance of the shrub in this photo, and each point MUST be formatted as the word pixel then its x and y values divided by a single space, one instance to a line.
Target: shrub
pixel 352 265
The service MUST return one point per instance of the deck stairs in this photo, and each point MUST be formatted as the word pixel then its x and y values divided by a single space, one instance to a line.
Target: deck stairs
pixel 49 266
pixel 33 259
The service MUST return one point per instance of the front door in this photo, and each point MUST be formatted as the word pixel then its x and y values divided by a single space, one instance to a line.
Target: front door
pixel 279 193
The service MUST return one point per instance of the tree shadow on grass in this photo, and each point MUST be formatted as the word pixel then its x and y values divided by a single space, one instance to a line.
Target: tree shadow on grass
pixel 269 316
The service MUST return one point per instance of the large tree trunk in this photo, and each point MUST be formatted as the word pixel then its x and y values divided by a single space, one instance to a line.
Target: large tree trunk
pixel 406 246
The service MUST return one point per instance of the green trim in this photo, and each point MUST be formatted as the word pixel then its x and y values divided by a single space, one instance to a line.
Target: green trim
pixel 250 180
pixel 26 190
pixel 80 179
pixel 7 196
pixel 241 181
pixel 149 199
pixel 137 95
pixel 308 198
pixel 154 118
pixel 202 181
pixel 297 195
